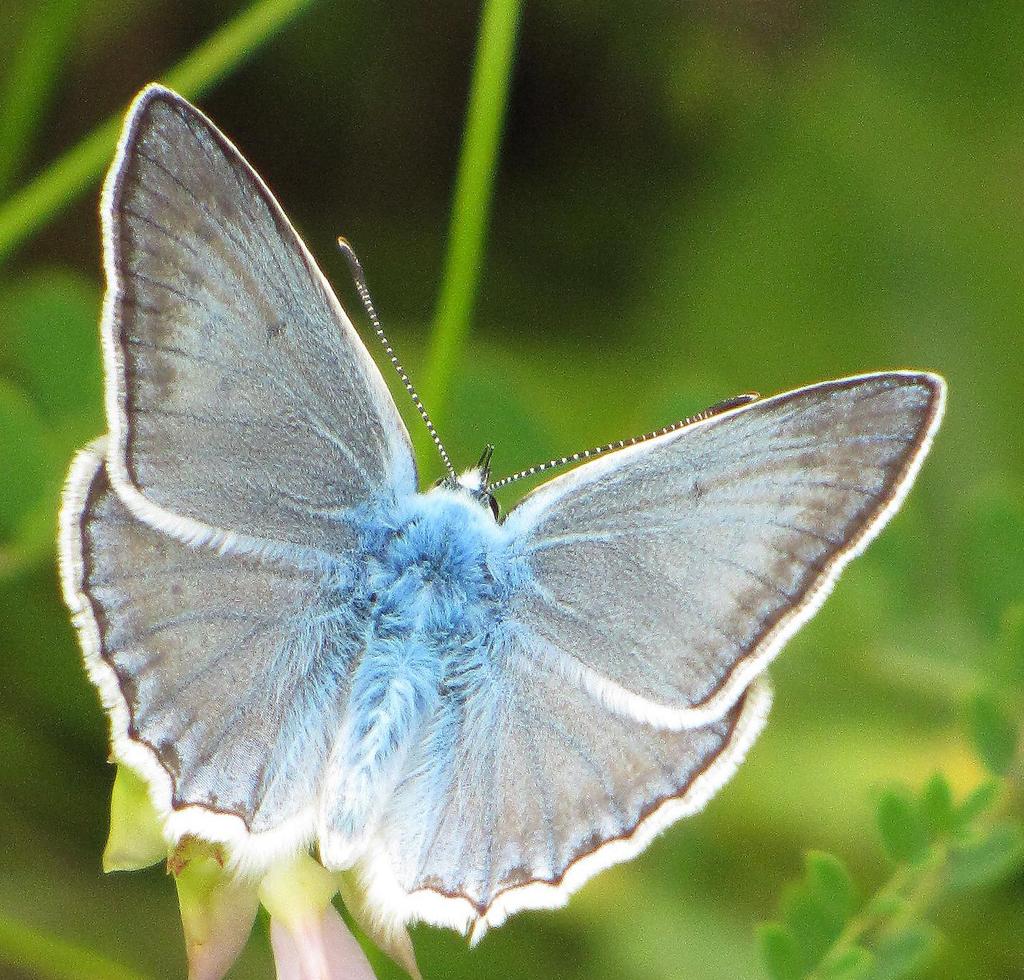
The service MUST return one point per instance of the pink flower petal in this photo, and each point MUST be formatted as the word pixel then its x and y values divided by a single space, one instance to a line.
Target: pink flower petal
pixel 217 909
pixel 318 948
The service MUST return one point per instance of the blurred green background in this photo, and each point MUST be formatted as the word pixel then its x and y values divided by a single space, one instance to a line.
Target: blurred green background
pixel 693 200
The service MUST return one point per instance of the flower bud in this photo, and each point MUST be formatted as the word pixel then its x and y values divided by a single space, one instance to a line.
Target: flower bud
pixel 217 908
pixel 136 839
pixel 309 937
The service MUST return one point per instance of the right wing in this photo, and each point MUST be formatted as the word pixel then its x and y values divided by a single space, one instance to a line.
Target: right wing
pixel 243 408
pixel 666 576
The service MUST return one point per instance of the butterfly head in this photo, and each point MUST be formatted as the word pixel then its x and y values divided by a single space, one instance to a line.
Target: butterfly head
pixel 475 483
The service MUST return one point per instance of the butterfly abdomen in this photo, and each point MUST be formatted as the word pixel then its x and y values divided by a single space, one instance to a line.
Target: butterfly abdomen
pixel 431 571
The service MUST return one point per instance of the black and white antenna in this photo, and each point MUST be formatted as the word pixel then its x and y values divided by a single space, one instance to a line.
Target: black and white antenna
pixel 356 268
pixel 586 454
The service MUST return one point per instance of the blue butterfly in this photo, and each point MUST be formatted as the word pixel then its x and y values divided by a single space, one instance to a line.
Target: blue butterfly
pixel 299 648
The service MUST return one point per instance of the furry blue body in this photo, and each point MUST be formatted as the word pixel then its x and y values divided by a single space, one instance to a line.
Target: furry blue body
pixel 416 614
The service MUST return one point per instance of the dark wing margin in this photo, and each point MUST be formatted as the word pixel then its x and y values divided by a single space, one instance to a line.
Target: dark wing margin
pixel 244 410
pixel 666 576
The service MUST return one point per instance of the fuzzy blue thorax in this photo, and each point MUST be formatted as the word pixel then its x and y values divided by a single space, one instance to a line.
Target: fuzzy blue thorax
pixel 430 577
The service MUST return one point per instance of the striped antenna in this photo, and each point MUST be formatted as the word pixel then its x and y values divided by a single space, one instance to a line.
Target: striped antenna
pixel 579 457
pixel 359 277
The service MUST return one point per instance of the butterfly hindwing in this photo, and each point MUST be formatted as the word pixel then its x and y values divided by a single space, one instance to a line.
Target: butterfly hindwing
pixel 220 691
pixel 516 798
pixel 243 407
pixel 652 586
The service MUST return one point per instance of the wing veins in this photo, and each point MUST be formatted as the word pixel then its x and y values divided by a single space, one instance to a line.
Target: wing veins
pixel 545 805
pixel 216 220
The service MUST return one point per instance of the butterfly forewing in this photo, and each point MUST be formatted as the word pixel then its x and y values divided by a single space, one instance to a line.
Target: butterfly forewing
pixel 667 575
pixel 240 397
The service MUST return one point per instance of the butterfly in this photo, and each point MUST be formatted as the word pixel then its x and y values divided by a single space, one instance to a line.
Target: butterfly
pixel 298 648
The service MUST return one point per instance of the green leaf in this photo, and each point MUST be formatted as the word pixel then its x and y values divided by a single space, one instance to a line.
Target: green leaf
pixel 814 911
pixel 937 806
pixel 993 733
pixel 780 952
pixel 832 887
pixel 902 827
pixel 852 964
pixel 900 953
pixel 809 922
pixel 977 802
pixel 987 859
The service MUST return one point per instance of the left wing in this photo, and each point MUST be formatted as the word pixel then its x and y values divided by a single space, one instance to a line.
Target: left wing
pixel 211 667
pixel 243 408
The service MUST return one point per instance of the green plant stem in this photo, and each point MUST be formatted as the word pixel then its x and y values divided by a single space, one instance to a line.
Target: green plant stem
pixel 76 170
pixel 904 898
pixel 31 75
pixel 46 956
pixel 471 201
